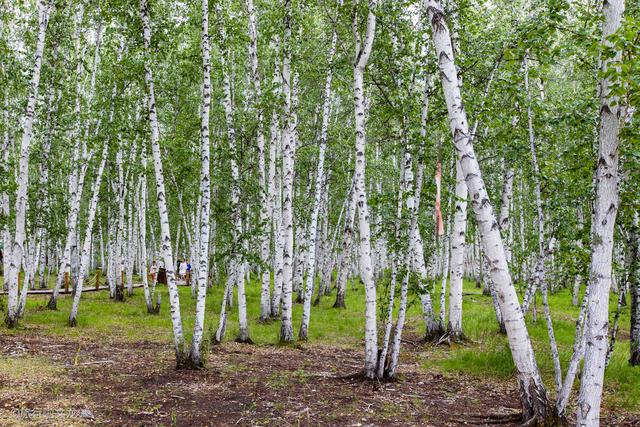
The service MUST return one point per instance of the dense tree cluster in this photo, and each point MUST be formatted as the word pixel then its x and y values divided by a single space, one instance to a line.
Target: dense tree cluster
pixel 295 145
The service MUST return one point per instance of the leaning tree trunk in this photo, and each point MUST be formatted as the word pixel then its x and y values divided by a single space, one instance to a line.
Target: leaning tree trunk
pixel 77 175
pixel 195 354
pixel 534 400
pixel 17 247
pixel 161 194
pixel 347 239
pixel 539 271
pixel 605 209
pixel 86 246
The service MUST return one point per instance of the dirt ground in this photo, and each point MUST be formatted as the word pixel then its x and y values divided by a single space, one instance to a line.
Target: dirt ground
pixel 48 381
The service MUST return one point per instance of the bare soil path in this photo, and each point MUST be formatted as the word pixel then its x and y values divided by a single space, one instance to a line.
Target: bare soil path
pixel 51 381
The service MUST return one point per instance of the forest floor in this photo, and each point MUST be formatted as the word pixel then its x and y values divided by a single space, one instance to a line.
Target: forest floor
pixel 117 368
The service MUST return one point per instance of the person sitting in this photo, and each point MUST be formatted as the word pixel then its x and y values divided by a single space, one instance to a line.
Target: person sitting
pixel 153 271
pixel 182 270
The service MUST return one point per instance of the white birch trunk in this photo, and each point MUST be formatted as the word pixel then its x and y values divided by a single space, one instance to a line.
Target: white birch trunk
pixel 167 252
pixel 539 272
pixel 605 210
pixel 347 239
pixel 17 246
pixel 505 206
pixel 634 292
pixel 86 246
pixel 78 171
pixel 265 211
pixel 142 224
pixel 236 263
pixel 205 193
pixel 320 178
pixel 366 268
pixel 288 152
pixel 533 394
pixel 456 277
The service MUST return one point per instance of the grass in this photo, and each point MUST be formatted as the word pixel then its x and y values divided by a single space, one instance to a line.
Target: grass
pixel 485 354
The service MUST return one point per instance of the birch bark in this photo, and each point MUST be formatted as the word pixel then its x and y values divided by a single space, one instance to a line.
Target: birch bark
pixel 86 246
pixel 457 256
pixel 195 354
pixel 167 252
pixel 634 290
pixel 313 227
pixel 347 238
pixel 288 151
pixel 243 333
pixel 533 394
pixel 17 245
pixel 265 211
pixel 605 210
pixel 363 51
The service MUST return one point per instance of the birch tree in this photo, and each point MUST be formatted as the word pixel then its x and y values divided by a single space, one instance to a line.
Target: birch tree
pixel 288 153
pixel 604 219
pixel 363 51
pixel 319 183
pixel 17 245
pixel 533 395
pixel 167 251
pixel 195 355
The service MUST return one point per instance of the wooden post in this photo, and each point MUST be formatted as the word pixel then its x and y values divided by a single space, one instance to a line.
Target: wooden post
pixel 66 281
pixel 97 278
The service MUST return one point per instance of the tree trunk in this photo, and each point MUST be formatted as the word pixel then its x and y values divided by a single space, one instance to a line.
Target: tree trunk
pixel 366 268
pixel 457 257
pixel 195 354
pixel 17 247
pixel 167 252
pixel 634 290
pixel 605 210
pixel 288 150
pixel 86 246
pixel 534 399
pixel 345 256
pixel 320 179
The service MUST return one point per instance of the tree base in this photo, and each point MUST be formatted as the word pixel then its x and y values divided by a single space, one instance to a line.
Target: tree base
pixel 435 333
pixel 265 319
pixel 119 296
pixel 634 360
pixel 536 409
pixel 339 301
pixel 11 321
pixel 52 304
pixel 456 336
pixel 286 335
pixel 244 340
pixel 189 363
